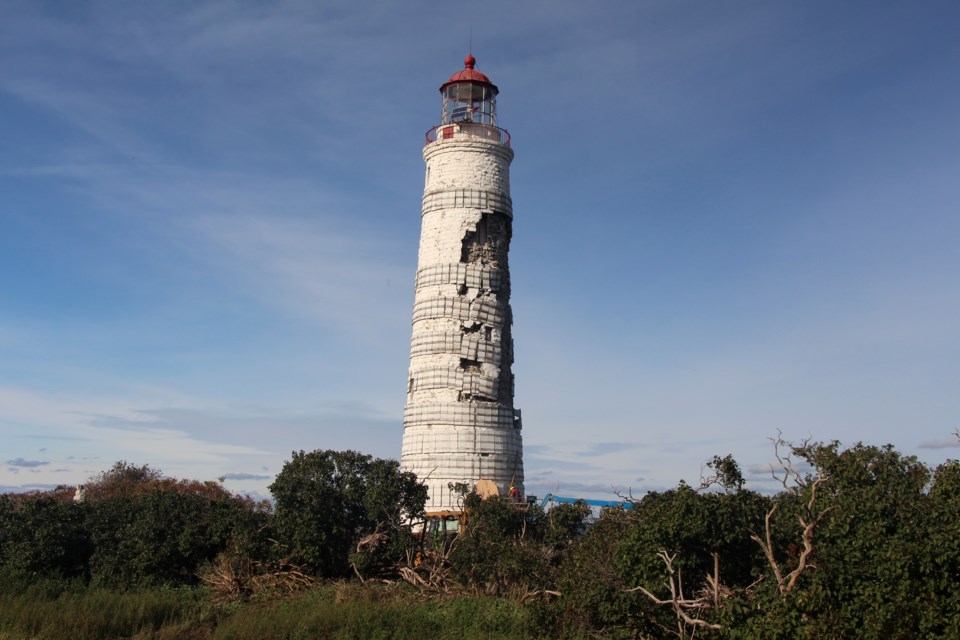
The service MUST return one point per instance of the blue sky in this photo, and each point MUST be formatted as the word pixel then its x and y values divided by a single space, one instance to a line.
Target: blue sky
pixel 731 218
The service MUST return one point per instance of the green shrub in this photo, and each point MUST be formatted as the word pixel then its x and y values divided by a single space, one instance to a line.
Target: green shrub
pixel 326 501
pixel 42 536
pixel 162 537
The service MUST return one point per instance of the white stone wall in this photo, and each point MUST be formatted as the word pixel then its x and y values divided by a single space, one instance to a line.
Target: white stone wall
pixel 465 163
pixel 460 424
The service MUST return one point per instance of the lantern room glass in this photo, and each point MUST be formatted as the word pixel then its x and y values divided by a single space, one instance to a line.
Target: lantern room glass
pixel 469 102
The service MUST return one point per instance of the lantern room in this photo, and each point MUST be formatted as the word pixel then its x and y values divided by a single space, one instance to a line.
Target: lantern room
pixel 469 96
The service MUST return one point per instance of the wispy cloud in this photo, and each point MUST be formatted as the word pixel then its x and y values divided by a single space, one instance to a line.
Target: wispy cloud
pixel 941 443
pixel 20 462
pixel 779 256
pixel 20 488
pixel 603 448
pixel 192 438
pixel 575 489
pixel 244 476
pixel 165 443
pixel 349 279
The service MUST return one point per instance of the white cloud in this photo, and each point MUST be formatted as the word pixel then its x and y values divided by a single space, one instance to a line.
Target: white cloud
pixel 20 462
pixel 349 280
pixel 244 476
pixel 941 443
pixel 191 437
pixel 164 444
pixel 265 153
pixel 21 488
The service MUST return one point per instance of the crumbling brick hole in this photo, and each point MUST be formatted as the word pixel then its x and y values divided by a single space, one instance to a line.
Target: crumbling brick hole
pixel 489 241
pixel 471 328
pixel 471 366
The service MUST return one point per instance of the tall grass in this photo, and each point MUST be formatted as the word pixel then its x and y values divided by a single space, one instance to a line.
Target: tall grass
pixel 58 610
pixel 362 613
pixel 53 610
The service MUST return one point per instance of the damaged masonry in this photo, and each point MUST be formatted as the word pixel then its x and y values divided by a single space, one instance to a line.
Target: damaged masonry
pixel 460 425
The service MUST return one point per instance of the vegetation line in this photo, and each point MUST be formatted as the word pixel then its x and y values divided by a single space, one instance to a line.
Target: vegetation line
pixel 858 542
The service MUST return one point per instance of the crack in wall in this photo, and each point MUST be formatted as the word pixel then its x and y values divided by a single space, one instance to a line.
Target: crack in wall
pixel 488 241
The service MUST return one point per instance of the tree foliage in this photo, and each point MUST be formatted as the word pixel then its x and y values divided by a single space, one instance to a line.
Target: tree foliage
pixel 42 536
pixel 859 541
pixel 498 546
pixel 164 536
pixel 326 501
pixel 135 527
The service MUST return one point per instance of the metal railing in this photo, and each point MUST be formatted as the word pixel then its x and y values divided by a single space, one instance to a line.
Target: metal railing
pixel 462 130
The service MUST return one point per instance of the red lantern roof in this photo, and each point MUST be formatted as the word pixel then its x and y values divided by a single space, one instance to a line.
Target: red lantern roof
pixel 469 74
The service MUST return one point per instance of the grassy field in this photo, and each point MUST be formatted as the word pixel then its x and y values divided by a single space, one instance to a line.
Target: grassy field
pixel 58 611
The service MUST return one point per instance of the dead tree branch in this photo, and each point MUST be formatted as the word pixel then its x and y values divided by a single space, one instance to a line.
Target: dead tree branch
pixel 796 484
pixel 681 605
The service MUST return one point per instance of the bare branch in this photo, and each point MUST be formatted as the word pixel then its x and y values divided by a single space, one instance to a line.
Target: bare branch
pixel 678 602
pixel 714 580
pixel 706 481
pixel 628 497
pixel 795 484
pixel 807 538
pixel 784 470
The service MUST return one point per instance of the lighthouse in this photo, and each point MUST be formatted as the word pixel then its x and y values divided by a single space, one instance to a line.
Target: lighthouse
pixel 459 424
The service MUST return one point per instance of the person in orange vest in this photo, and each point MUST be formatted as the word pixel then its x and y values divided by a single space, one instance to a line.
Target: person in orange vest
pixel 514 494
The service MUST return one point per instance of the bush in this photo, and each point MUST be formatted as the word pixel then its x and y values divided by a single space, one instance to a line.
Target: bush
pixel 507 545
pixel 44 537
pixel 327 501
pixel 164 537
pixel 594 591
pixel 134 528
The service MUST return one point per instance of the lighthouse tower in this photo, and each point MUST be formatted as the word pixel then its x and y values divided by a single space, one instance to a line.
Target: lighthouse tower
pixel 460 425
